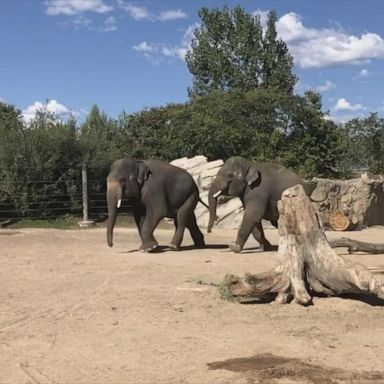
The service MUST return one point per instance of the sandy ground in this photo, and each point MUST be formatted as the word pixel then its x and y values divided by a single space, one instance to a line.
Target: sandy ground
pixel 73 310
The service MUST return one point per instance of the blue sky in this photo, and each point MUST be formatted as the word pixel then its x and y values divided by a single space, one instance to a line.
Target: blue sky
pixel 127 55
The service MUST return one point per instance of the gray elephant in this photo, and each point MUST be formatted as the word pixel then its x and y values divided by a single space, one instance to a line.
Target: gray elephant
pixel 157 190
pixel 259 186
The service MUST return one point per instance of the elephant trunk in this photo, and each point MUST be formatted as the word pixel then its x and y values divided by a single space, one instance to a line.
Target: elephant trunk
pixel 214 193
pixel 114 196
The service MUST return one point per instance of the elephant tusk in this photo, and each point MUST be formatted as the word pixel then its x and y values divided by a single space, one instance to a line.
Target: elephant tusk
pixel 217 194
pixel 118 203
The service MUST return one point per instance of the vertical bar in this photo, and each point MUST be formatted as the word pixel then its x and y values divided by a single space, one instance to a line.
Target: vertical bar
pixel 85 223
pixel 84 180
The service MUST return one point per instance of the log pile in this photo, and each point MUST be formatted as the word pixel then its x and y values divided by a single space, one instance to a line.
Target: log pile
pixel 350 204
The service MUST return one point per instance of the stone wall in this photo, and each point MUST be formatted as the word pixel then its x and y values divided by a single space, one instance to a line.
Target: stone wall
pixel 229 210
pixel 361 200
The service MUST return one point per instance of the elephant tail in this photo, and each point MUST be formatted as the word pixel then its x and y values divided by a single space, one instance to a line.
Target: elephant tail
pixel 202 202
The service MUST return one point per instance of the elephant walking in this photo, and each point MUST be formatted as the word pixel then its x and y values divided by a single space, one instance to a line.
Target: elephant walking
pixel 259 186
pixel 157 190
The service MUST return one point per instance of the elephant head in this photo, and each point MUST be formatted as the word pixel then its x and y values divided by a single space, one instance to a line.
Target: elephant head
pixel 232 180
pixel 125 179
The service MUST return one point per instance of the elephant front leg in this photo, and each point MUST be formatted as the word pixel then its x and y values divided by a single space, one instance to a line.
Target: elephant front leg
pixel 149 243
pixel 252 215
pixel 139 217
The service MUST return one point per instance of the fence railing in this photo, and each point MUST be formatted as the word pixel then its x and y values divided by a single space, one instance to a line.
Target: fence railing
pixel 83 195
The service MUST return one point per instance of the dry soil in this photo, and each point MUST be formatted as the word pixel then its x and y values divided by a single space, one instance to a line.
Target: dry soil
pixel 73 310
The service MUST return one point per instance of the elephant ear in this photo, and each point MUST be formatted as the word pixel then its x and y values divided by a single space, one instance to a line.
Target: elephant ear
pixel 253 176
pixel 143 172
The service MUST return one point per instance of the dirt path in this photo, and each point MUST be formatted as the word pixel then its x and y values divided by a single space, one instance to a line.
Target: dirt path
pixel 73 310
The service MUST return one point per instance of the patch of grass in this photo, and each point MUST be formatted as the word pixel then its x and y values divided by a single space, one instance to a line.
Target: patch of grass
pixel 225 292
pixel 65 222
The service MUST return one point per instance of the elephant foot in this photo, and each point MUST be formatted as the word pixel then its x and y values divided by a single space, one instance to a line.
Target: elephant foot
pixel 174 247
pixel 234 247
pixel 267 247
pixel 148 247
pixel 200 245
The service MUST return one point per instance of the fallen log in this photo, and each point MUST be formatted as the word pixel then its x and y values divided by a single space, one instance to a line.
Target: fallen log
pixel 357 246
pixel 306 262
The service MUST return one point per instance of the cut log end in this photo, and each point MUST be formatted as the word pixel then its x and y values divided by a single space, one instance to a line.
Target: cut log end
pixel 339 221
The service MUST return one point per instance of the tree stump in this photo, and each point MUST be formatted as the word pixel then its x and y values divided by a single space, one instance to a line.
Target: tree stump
pixel 306 262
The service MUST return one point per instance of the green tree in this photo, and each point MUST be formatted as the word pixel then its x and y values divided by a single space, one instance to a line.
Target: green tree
pixel 365 143
pixel 98 135
pixel 52 158
pixel 277 62
pixel 313 141
pixel 229 51
pixel 11 143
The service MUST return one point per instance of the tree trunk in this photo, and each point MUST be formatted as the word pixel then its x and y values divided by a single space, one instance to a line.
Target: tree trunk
pixel 306 262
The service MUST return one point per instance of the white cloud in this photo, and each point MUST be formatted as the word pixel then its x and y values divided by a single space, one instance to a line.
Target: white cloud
pixel 326 87
pixel 364 73
pixel 171 15
pixel 73 7
pixel 263 16
pixel 137 13
pixel 344 105
pixel 145 47
pixel 53 106
pixel 82 21
pixel 313 47
pixel 142 13
pixel 155 52
pixel 110 24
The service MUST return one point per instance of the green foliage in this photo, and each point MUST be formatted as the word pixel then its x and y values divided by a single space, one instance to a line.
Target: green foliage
pixel 229 51
pixel 312 140
pixel 364 143
pixel 64 222
pixel 98 136
pixel 262 124
pixel 40 165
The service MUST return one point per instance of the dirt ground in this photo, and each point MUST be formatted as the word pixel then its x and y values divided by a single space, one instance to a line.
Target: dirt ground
pixel 73 310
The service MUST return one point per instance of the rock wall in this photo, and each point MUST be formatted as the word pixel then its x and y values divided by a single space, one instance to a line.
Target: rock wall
pixel 229 210
pixel 361 200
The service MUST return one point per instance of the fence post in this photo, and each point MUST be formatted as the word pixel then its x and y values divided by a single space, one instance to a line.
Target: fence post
pixel 85 223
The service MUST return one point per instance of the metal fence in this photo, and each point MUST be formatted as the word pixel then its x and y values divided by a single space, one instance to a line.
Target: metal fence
pixel 82 196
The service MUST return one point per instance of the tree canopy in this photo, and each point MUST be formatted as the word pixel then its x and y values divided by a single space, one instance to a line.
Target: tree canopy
pixel 230 50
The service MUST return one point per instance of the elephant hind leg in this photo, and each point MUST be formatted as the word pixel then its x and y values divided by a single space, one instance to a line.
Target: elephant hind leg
pixel 183 218
pixel 196 234
pixel 258 234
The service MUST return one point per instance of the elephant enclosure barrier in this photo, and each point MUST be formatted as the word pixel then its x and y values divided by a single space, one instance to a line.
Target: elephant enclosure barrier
pixel 78 192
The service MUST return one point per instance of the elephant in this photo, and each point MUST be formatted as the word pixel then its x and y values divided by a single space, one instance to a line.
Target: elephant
pixel 259 186
pixel 157 190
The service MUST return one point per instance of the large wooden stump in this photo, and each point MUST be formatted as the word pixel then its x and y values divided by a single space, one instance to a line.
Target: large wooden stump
pixel 306 262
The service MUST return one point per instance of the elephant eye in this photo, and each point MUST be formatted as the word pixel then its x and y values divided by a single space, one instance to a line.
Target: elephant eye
pixel 229 174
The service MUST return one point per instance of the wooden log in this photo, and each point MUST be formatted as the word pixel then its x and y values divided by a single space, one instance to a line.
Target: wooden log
pixel 306 262
pixel 357 246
